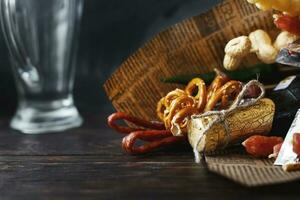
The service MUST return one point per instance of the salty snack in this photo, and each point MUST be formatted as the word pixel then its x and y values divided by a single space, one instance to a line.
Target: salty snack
pixel 174 111
pixel 178 105
pixel 261 146
pixel 235 50
pixel 262 46
pixel 284 39
pixel 258 42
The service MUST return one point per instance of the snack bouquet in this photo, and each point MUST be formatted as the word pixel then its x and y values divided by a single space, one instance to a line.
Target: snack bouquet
pixel 219 105
pixel 210 117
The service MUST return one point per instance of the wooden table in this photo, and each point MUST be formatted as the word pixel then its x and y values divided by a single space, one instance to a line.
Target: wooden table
pixel 88 163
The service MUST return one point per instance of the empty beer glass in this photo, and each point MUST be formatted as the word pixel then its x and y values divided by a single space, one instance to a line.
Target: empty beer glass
pixel 42 39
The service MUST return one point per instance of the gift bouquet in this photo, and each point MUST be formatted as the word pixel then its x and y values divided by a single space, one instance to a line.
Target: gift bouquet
pixel 200 81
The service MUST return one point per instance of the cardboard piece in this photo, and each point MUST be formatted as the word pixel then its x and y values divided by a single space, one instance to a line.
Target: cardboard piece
pixel 236 165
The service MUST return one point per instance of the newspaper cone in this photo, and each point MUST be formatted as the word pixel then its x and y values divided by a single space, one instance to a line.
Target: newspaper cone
pixel 195 45
pixel 244 122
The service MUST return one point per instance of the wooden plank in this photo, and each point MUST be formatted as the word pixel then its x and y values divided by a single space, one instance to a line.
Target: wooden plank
pixel 79 176
pixel 88 163
pixel 94 138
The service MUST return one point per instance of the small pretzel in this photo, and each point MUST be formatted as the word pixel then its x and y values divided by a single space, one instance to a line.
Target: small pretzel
pixel 180 119
pixel 178 104
pixel 229 88
pixel 173 95
pixel 140 122
pixel 216 84
pixel 168 139
pixel 199 84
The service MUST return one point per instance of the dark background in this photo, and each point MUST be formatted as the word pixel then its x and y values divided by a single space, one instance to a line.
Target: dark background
pixel 110 32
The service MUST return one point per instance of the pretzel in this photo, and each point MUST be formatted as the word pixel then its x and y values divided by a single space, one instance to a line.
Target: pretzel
pixel 179 121
pixel 165 137
pixel 200 96
pixel 230 88
pixel 220 80
pixel 173 95
pixel 176 105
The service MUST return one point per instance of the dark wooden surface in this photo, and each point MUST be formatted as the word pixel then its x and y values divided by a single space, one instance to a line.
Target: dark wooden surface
pixel 88 163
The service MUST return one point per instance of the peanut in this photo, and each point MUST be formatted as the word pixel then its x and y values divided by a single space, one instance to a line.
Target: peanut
pixel 235 50
pixel 284 39
pixel 262 46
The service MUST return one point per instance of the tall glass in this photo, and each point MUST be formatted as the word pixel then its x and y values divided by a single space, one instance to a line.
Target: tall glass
pixel 41 36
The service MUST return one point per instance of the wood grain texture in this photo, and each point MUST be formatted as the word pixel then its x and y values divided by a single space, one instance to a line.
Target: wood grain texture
pixel 88 163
